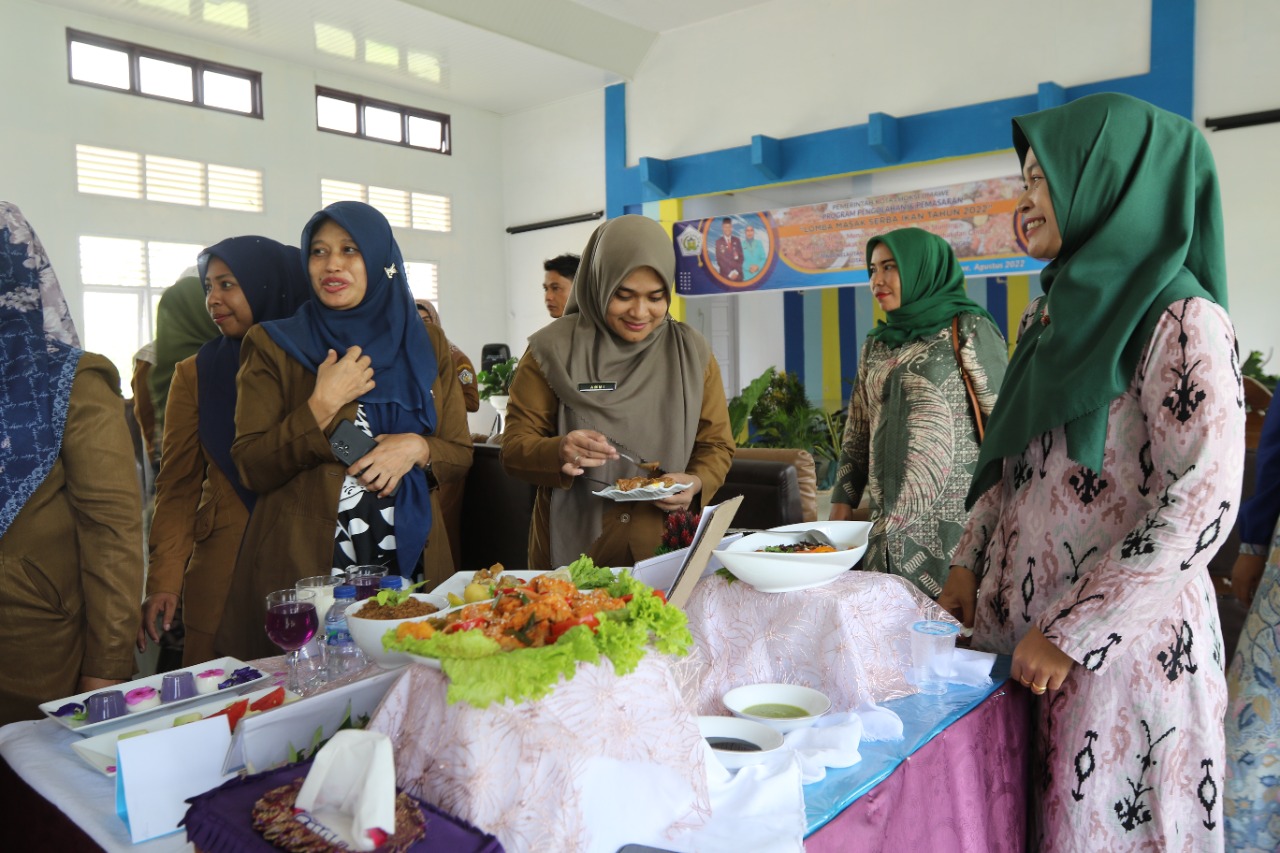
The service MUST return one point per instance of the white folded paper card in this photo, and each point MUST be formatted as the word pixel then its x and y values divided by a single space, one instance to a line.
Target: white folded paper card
pixel 156 774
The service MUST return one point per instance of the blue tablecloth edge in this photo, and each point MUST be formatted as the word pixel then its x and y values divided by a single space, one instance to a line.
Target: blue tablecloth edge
pixel 999 678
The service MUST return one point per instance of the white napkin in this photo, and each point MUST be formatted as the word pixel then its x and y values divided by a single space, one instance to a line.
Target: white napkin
pixel 878 723
pixel 758 808
pixel 350 793
pixel 970 668
pixel 830 742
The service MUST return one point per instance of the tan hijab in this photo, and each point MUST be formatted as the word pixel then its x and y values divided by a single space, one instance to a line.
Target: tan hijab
pixel 657 398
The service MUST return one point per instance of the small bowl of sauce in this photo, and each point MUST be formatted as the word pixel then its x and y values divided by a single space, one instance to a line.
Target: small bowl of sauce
pixel 783 707
pixel 736 742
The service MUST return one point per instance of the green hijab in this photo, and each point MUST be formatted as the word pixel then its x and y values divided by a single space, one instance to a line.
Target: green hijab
pixel 932 287
pixel 1135 194
pixel 183 326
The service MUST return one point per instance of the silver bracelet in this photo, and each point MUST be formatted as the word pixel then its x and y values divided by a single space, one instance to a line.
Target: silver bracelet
pixel 1253 550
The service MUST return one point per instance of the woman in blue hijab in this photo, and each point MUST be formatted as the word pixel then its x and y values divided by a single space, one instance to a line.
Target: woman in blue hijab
pixel 202 506
pixel 356 352
pixel 70 507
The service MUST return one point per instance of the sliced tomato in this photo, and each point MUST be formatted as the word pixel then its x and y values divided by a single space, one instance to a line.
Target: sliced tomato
pixel 661 596
pixel 233 712
pixel 559 628
pixel 465 625
pixel 274 699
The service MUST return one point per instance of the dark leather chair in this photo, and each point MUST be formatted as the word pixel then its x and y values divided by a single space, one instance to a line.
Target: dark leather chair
pixel 497 509
pixel 770 490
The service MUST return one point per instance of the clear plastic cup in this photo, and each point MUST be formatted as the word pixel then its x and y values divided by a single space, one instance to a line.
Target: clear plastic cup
pixel 933 643
pixel 321 587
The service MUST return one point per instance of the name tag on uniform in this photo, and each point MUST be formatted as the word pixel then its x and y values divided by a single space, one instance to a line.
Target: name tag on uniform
pixel 597 386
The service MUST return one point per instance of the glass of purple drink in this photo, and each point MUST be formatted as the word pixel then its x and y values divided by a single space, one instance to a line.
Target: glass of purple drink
pixel 291 623
pixel 366 580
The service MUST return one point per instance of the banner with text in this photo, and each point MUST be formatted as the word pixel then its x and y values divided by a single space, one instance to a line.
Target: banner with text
pixel 822 245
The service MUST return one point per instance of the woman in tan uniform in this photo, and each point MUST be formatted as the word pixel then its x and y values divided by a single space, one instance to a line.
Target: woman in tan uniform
pixel 615 371
pixel 70 510
pixel 201 505
pixel 357 351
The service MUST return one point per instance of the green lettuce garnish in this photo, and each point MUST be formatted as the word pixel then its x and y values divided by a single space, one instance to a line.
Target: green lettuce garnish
pixel 480 673
pixel 587 575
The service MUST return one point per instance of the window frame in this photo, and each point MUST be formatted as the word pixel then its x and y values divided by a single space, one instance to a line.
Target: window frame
pixel 137 52
pixel 405 112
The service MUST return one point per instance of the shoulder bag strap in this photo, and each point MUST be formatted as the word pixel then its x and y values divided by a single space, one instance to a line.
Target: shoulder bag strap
pixel 964 374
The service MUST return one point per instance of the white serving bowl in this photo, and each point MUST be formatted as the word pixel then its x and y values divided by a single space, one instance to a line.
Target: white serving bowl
pixel 769 740
pixel 815 703
pixel 773 572
pixel 368 632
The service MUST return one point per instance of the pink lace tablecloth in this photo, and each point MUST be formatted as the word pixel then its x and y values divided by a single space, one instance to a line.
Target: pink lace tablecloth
pixel 850 639
pixel 558 773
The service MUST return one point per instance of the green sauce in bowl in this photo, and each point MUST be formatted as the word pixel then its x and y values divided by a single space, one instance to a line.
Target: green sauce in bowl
pixel 776 711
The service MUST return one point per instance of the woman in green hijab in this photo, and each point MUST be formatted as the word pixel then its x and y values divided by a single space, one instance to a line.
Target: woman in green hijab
pixel 911 440
pixel 1109 476
pixel 182 327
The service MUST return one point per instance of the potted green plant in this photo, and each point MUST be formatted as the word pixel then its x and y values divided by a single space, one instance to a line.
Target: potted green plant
pixel 495 386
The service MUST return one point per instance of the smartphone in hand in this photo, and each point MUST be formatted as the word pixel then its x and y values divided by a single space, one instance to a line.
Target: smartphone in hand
pixel 350 444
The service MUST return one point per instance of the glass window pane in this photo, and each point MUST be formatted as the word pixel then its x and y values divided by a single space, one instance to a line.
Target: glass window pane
pixel 331 191
pixel 377 53
pixel 336 114
pixel 382 124
pixel 102 65
pixel 424 132
pixel 171 261
pixel 393 204
pixel 113 261
pixel 175 181
pixel 106 171
pixel 432 212
pixel 166 79
pixel 228 92
pixel 423 280
pixel 235 189
pixel 112 327
pixel 229 13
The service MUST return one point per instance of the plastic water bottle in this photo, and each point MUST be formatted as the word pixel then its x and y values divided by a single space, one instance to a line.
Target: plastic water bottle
pixel 343 653
pixel 391 582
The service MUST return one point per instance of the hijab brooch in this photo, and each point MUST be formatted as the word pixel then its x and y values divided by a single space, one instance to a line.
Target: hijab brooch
pixel 390 271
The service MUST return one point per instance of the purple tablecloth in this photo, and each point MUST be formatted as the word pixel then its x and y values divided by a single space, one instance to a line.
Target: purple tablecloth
pixel 221 820
pixel 965 791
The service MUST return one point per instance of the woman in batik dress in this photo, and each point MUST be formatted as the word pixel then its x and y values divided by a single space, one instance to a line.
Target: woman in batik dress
pixel 1252 803
pixel 911 440
pixel 1109 477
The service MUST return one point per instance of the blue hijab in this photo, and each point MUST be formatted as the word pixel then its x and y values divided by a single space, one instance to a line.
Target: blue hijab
pixel 38 365
pixel 275 286
pixel 387 328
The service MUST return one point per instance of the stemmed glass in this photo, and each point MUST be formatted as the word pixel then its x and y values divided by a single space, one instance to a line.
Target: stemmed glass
pixel 291 623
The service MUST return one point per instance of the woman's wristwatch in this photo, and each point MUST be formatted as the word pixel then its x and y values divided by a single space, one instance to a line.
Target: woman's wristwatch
pixel 1253 550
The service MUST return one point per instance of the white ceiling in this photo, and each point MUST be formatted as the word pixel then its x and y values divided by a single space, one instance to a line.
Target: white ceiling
pixel 499 55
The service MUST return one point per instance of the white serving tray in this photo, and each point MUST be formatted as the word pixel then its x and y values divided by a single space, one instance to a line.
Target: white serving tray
pixel 228 665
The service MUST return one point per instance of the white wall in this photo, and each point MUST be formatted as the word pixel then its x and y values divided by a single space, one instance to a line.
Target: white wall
pixel 45 117
pixel 822 65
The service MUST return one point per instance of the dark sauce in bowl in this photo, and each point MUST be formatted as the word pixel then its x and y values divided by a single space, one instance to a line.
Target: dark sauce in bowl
pixel 732 744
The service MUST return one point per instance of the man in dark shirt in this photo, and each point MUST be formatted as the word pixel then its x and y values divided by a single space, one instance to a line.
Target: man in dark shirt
pixel 729 252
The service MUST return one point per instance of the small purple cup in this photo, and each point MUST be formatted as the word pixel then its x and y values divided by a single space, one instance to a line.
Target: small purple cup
pixel 176 686
pixel 106 705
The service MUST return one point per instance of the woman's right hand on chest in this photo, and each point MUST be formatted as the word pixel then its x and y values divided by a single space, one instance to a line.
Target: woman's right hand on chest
pixel 338 382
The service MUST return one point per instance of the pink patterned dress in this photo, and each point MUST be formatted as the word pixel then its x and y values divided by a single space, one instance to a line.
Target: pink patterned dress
pixel 1111 567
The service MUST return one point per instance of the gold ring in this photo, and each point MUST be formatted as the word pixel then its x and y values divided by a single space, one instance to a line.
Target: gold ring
pixel 1038 690
pixel 1025 683
pixel 576 458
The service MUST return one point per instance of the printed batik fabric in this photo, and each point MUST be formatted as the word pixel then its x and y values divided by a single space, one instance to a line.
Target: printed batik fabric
pixel 1112 567
pixel 1252 804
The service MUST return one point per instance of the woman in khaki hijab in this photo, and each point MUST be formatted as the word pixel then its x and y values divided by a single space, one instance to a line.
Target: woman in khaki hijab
pixel 616 371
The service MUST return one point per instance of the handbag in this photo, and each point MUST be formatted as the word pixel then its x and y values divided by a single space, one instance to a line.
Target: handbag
pixel 964 374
